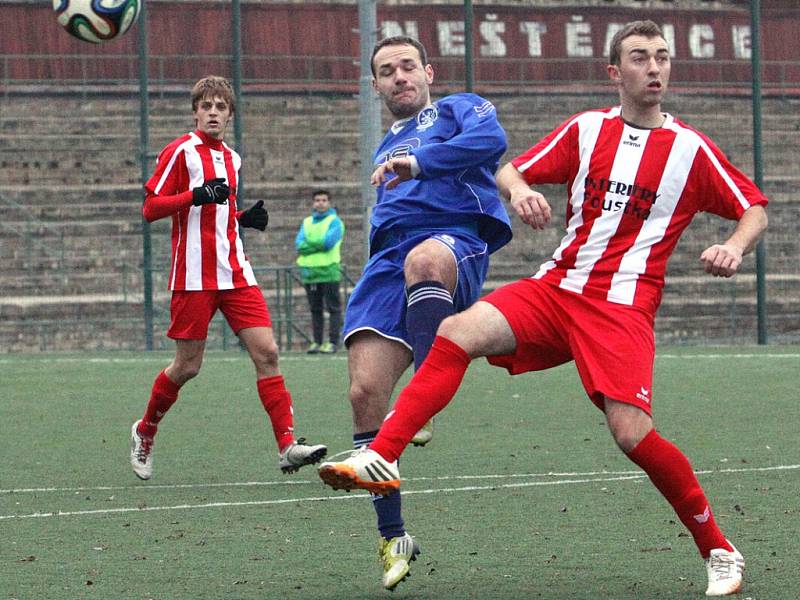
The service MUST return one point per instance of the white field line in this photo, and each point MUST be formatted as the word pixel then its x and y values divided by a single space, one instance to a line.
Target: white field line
pixel 294 482
pixel 341 357
pixel 631 475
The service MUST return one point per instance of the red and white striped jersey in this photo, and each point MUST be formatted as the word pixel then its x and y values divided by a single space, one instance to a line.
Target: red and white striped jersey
pixel 207 251
pixel 632 192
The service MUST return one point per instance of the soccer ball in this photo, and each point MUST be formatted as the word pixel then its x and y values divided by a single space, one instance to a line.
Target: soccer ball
pixel 96 21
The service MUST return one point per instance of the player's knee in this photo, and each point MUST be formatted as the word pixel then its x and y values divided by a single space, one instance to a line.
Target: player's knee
pixel 367 404
pixel 448 327
pixel 626 440
pixel 184 371
pixel 265 356
pixel 422 264
pixel 452 327
pixel 627 433
pixel 359 397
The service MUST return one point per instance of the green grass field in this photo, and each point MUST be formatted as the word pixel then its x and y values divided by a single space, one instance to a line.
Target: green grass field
pixel 521 494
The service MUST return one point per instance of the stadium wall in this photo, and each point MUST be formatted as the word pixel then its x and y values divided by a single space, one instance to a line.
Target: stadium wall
pixel 71 236
pixel 315 43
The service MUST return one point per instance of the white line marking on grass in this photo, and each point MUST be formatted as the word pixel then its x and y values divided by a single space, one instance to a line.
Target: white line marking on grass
pixel 596 473
pixel 295 482
pixel 104 511
pixel 157 486
pixel 472 488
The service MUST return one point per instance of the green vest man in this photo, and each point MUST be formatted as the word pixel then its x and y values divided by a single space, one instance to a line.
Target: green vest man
pixel 318 245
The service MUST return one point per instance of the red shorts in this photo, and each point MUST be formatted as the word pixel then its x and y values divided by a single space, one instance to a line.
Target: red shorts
pixel 191 311
pixel 612 344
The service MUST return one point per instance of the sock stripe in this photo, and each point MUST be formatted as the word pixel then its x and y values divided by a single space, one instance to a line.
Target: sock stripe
pixel 366 441
pixel 429 294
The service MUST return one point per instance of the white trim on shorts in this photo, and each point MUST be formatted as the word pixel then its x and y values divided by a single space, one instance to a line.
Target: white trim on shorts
pixel 380 333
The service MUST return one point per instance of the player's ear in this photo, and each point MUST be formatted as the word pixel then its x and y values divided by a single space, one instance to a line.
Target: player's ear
pixel 614 73
pixel 429 73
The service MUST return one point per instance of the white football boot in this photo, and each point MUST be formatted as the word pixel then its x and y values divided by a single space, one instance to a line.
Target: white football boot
pixel 725 572
pixel 299 454
pixel 141 453
pixel 365 469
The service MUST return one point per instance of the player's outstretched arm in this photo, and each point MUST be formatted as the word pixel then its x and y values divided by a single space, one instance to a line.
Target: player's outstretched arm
pixel 723 260
pixel 531 206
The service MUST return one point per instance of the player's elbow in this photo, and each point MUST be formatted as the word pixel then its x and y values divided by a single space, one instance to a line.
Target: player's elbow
pixel 763 218
pixel 498 143
pixel 502 144
pixel 757 220
pixel 148 213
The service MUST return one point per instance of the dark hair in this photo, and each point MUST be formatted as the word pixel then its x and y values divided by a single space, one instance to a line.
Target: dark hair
pixel 316 193
pixel 646 28
pixel 211 86
pixel 399 40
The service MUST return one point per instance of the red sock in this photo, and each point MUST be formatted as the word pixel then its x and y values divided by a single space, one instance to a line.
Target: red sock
pixel 278 403
pixel 671 473
pixel 162 397
pixel 428 392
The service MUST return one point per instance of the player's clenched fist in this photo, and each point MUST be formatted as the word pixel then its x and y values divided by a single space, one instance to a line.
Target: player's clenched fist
pixel 213 191
pixel 401 167
pixel 722 260
pixel 531 207
pixel 256 217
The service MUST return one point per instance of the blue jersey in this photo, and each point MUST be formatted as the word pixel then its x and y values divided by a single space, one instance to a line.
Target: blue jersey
pixel 457 142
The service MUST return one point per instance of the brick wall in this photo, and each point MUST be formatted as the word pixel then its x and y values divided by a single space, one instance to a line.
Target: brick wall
pixel 71 242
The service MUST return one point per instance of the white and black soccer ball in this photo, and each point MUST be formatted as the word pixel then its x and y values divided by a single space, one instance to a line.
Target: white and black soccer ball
pixel 96 21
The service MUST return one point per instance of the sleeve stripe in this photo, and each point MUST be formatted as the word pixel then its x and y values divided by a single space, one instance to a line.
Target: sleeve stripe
pixel 602 115
pixel 168 169
pixel 724 174
pixel 527 165
pixel 715 161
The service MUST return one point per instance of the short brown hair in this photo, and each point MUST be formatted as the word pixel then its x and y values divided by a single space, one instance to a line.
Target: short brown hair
pixel 646 28
pixel 399 40
pixel 211 86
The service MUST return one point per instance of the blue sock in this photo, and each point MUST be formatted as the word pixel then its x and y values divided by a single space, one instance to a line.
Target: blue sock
pixel 429 303
pixel 388 508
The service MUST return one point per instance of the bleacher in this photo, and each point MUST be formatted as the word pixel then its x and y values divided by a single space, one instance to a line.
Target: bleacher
pixel 71 237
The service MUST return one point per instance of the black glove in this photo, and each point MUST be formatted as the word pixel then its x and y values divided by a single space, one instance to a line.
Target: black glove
pixel 256 217
pixel 212 191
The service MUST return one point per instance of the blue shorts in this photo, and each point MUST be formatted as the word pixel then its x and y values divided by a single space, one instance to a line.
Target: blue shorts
pixel 378 301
